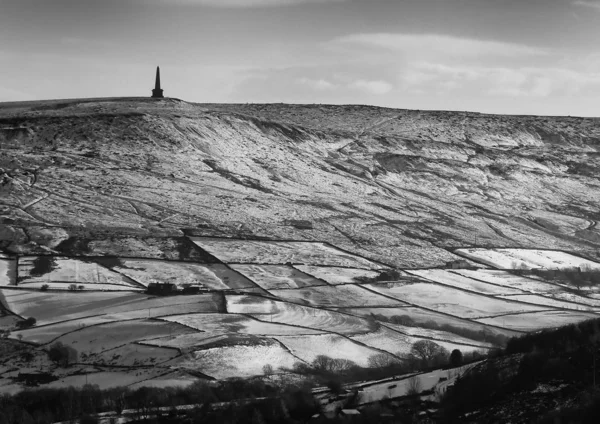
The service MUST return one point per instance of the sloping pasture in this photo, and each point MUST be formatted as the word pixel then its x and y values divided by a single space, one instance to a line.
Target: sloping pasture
pixel 277 276
pixel 451 301
pixel 281 252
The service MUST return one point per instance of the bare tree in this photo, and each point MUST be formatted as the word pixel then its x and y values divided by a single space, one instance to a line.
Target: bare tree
pixel 414 386
pixel 382 360
pixel 428 352
pixel 268 369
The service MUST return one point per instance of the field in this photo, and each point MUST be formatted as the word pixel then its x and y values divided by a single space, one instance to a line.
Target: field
pixel 237 324
pixel 241 360
pixel 104 337
pixel 277 276
pixel 301 316
pixel 48 270
pixel 537 320
pixel 162 248
pixel 451 278
pixel 527 258
pixel 385 338
pixel 555 303
pixel 300 300
pixel 51 307
pixel 336 275
pixel 307 348
pixel 109 378
pixel 79 287
pixel 455 302
pixel 424 317
pixel 133 355
pixel 337 296
pixel 280 252
pixel 504 278
pixel 438 335
pixel 210 276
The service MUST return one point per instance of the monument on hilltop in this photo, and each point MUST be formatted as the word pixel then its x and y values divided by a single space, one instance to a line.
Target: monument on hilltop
pixel 157 93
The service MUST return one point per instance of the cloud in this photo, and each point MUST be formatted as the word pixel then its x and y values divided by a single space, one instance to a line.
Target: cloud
pixel 317 84
pixel 592 4
pixel 497 81
pixel 247 3
pixel 372 87
pixel 345 82
pixel 438 45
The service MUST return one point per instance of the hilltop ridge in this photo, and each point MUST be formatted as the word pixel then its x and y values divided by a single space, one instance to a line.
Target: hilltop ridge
pixel 398 186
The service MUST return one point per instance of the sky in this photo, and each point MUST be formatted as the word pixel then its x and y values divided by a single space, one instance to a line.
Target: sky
pixel 537 57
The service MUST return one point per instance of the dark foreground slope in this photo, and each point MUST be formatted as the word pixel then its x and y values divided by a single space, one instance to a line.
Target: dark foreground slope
pixel 397 186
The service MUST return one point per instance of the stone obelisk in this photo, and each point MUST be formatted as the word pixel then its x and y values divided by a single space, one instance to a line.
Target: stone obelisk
pixel 157 93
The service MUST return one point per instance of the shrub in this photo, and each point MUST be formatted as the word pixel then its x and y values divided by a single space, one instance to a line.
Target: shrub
pixel 29 322
pixel 335 386
pixel 44 287
pixel 62 355
pixel 88 419
pixel 456 358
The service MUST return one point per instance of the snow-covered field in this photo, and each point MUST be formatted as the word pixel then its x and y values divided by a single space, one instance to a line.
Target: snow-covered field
pixel 459 281
pixel 211 276
pixel 538 320
pixel 51 307
pixel 336 296
pixel 425 317
pixel 277 276
pixel 555 303
pixel 451 301
pixel 301 316
pixel 64 270
pixel 570 297
pixel 507 279
pixel 238 324
pixel 527 258
pixel 336 275
pixel 242 360
pixel 388 340
pixel 281 252
pixel 420 332
pixel 396 343
pixel 308 348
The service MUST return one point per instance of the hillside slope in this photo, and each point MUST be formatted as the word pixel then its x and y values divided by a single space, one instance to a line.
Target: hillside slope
pixel 402 187
pixel 165 241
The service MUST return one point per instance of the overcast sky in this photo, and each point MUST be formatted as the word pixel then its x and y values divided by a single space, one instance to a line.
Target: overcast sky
pixel 497 56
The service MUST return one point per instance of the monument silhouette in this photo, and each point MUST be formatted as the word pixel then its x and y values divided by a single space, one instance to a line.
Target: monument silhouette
pixel 157 93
